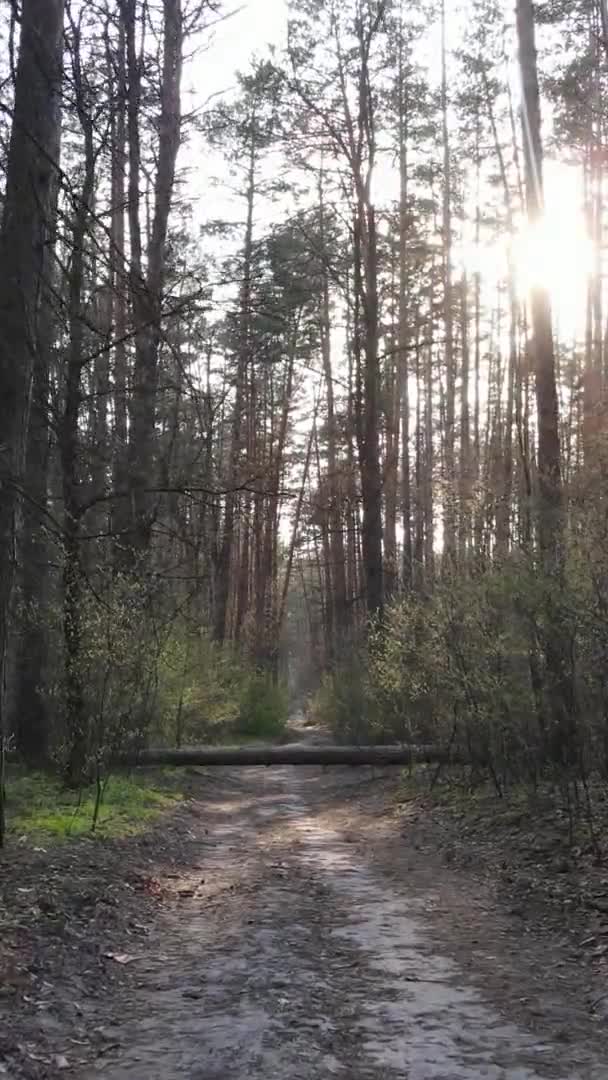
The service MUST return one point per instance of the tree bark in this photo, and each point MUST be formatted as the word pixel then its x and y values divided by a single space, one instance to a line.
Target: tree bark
pixel 147 290
pixel 404 329
pixel 550 511
pixel 449 495
pixel 549 471
pixel 77 735
pixel 369 444
pixel 338 563
pixel 25 232
pixel 118 283
pixel 226 553
pixel 296 754
pixel 31 709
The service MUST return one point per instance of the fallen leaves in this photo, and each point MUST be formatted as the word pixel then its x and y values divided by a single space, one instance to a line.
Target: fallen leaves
pixel 72 923
pixel 151 886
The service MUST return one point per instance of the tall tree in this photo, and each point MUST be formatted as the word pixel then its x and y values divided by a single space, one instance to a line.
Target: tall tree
pixel 348 121
pixel 25 232
pixel 245 128
pixel 147 282
pixel 550 510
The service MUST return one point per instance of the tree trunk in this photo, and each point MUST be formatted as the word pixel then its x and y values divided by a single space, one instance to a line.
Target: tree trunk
pixel 429 469
pixel 267 601
pixel 391 415
pixel 449 496
pixel 404 326
pixel 77 734
pixel 147 292
pixel 419 489
pixel 369 445
pixel 226 554
pixel 559 675
pixel 31 710
pixel 465 487
pixel 338 567
pixel 32 720
pixel 118 283
pixel 25 233
pixel 549 474
pixel 296 754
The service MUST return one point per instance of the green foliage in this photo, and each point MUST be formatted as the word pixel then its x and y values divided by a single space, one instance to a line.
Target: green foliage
pixel 408 671
pixel 116 667
pixel 455 669
pixel 469 667
pixel 40 807
pixel 347 704
pixel 146 680
pixel 263 707
pixel 200 687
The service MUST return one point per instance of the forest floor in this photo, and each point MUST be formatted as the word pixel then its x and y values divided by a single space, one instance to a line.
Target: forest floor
pixel 292 923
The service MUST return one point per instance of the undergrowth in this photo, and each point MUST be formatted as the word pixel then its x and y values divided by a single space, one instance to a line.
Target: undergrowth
pixel 575 817
pixel 41 807
pixel 263 708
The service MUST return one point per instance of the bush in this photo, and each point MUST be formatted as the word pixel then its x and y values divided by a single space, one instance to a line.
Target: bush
pixel 468 667
pixel 263 708
pixel 454 669
pixel 200 685
pixel 346 703
pixel 145 681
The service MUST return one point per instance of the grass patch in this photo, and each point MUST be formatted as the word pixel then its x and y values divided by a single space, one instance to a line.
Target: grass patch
pixel 38 805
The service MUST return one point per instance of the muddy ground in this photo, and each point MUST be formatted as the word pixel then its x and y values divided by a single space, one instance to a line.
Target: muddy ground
pixel 290 924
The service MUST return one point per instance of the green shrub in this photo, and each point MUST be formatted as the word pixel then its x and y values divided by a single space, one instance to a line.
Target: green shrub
pixel 200 685
pixel 454 669
pixel 345 703
pixel 409 673
pixel 263 708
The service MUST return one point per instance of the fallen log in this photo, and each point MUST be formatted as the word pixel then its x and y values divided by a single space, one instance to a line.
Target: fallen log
pixel 289 754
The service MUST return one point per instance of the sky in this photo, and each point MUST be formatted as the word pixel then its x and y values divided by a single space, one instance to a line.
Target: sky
pixel 247 27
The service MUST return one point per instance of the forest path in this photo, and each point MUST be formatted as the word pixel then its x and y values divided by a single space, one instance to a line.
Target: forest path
pixel 291 954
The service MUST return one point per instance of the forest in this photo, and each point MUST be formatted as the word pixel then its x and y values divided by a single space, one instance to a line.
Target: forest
pixel 302 381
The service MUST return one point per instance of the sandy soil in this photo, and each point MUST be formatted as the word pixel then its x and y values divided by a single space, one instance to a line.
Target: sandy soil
pixel 301 933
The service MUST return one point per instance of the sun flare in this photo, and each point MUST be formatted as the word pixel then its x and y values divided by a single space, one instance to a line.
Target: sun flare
pixel 556 253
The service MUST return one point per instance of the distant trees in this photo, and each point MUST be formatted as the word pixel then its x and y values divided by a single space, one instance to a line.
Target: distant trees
pixel 343 55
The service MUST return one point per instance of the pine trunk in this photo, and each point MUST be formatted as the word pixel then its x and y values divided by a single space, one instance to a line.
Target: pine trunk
pixel 25 236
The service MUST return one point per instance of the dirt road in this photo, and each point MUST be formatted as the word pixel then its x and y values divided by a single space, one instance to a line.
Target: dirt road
pixel 298 947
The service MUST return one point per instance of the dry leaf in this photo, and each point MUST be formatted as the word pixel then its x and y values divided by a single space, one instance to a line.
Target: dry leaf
pixel 121 958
